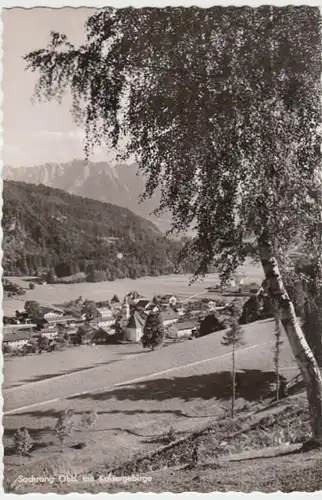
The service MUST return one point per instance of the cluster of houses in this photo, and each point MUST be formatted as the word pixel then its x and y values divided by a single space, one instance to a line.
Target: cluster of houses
pixel 22 330
pixel 179 321
pixel 115 322
pixel 137 310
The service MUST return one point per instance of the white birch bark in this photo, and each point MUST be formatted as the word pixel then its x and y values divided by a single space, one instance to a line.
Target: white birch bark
pixel 234 383
pixel 301 350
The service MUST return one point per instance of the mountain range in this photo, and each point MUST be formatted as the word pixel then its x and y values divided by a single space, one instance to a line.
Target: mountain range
pixel 117 184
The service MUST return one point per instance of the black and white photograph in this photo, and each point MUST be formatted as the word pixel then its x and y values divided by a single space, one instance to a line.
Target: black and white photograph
pixel 162 249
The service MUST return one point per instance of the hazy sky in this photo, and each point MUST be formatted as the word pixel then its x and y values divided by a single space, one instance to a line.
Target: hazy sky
pixel 37 133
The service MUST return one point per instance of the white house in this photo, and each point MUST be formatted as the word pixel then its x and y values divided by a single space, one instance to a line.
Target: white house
pixel 49 334
pixel 105 312
pixel 105 322
pixel 134 327
pixel 53 314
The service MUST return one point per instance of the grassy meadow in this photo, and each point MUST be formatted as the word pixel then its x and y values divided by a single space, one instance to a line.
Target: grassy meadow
pixel 147 286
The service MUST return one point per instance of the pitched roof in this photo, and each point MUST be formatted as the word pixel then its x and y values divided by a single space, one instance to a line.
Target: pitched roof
pixel 136 320
pixel 45 310
pixel 142 302
pixel 103 333
pixel 169 314
pixel 13 328
pixel 12 337
pixel 140 320
pixel 61 319
pixel 42 332
pixel 106 318
pixel 186 325
pixel 104 310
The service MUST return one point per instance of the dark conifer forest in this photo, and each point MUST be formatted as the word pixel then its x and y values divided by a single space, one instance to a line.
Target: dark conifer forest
pixel 47 229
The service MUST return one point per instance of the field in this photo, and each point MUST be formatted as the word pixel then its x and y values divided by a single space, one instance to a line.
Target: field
pixel 34 368
pixel 138 395
pixel 148 286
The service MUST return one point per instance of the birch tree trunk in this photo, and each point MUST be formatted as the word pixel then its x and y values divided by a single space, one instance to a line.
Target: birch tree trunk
pixel 234 384
pixel 312 326
pixel 301 350
pixel 312 331
pixel 277 360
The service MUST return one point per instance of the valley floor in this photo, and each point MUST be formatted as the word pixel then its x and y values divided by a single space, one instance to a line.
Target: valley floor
pixel 148 286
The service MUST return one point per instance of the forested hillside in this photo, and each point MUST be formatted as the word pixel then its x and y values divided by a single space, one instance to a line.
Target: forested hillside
pixel 100 181
pixel 48 228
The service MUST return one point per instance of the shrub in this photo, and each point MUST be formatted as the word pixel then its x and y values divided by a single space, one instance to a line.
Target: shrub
pixel 95 276
pixel 51 276
pixel 12 288
pixel 170 435
pixel 89 419
pixel 64 427
pixel 32 307
pixel 43 343
pixel 153 333
pixel 6 349
pixel 62 341
pixel 251 311
pixel 22 442
pixel 31 286
pixel 171 331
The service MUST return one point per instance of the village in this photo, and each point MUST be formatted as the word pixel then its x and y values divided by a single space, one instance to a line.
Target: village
pixel 40 329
